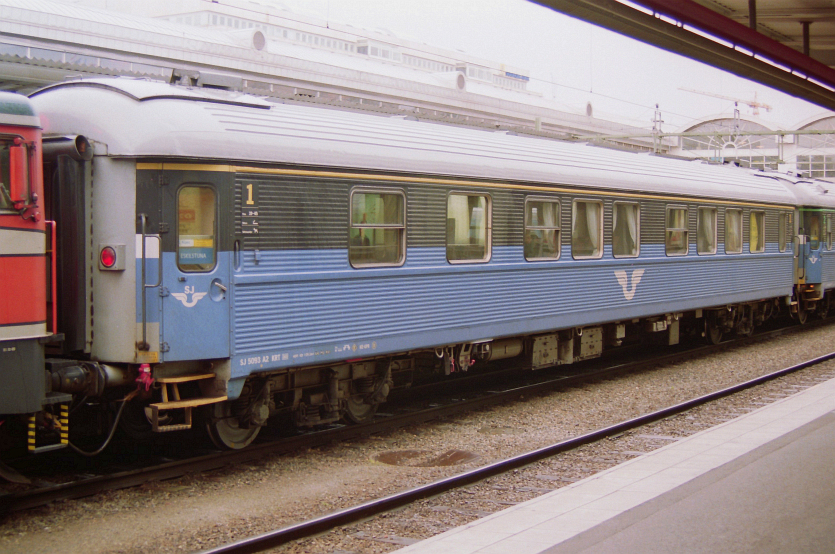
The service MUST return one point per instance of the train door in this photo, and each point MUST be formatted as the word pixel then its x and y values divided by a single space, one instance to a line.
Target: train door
pixel 811 247
pixel 195 269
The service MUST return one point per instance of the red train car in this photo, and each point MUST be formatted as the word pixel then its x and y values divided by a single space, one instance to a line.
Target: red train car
pixel 26 246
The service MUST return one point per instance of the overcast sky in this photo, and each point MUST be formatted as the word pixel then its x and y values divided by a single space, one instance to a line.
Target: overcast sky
pixel 569 60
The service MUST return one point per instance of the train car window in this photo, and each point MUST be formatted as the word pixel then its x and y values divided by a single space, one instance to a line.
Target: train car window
pixel 626 230
pixel 828 232
pixel 5 175
pixel 468 227
pixel 378 228
pixel 678 241
pixel 756 232
pixel 782 226
pixel 542 229
pixel 586 229
pixel 706 231
pixel 733 231
pixel 196 215
pixel 5 197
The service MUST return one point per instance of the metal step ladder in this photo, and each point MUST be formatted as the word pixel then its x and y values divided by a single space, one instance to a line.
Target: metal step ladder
pixel 171 401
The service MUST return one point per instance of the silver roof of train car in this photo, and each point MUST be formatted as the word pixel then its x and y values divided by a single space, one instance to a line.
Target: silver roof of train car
pixel 135 118
pixel 808 192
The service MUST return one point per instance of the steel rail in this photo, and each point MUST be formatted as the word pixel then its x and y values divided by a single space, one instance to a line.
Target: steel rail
pixel 398 500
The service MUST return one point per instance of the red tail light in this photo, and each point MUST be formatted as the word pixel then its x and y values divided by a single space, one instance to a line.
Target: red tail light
pixel 108 257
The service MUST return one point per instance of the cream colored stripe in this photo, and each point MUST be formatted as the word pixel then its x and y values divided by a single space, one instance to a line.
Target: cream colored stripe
pixel 19 243
pixel 29 331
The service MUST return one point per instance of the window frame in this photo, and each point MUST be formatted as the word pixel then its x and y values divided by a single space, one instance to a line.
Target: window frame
pixel 828 231
pixel 637 228
pixel 715 230
pixel 351 226
pixel 6 179
pixel 668 229
pixel 488 243
pixel 574 203
pixel 558 228
pixel 761 231
pixel 741 238
pixel 215 229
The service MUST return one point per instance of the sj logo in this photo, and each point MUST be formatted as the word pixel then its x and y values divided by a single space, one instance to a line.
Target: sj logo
pixel 183 296
pixel 623 279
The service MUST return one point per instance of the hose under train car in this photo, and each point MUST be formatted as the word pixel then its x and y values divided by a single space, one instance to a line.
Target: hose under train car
pixel 100 449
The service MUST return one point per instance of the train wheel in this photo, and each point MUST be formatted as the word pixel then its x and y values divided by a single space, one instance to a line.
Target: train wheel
pixel 358 411
pixel 224 429
pixel 713 332
pixel 802 315
pixel 823 307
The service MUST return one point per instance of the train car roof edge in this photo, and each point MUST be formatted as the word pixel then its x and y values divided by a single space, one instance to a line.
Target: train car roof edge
pixel 147 119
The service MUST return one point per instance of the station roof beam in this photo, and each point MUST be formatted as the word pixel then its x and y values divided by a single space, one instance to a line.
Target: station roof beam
pixel 704 34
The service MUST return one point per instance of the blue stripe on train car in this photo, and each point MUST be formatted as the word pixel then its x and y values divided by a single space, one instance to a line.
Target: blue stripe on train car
pixel 290 313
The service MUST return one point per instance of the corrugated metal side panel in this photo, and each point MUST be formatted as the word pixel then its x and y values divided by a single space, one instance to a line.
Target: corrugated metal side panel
pixel 296 213
pixel 520 298
pixel 828 273
pixel 425 219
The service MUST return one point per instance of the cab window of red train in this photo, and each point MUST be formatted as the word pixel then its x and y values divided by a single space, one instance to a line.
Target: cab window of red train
pixel 542 229
pixel 586 229
pixel 468 227
pixel 196 246
pixel 706 231
pixel 733 231
pixel 5 175
pixel 626 230
pixel 378 228
pixel 756 232
pixel 782 226
pixel 677 239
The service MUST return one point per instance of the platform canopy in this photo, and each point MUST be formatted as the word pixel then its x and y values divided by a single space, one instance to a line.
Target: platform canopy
pixel 785 44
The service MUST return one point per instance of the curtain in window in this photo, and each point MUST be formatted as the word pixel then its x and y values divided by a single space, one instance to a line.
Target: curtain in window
pixel 677 231
pixel 707 231
pixel 754 233
pixel 733 231
pixel 550 248
pixel 625 233
pixel 585 235
pixel 593 222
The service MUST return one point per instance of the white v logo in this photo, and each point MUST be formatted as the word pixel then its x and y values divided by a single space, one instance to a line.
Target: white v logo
pixel 623 279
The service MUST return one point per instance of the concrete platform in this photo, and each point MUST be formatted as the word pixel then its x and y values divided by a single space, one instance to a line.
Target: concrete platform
pixel 764 482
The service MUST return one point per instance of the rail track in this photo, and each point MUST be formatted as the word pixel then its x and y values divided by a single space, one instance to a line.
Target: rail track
pixel 541 382
pixel 376 507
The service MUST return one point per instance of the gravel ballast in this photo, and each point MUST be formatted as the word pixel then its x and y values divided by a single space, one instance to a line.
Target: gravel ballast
pixel 196 512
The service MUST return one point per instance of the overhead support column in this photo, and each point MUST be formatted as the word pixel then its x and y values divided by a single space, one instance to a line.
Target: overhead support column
pixel 806 25
pixel 752 14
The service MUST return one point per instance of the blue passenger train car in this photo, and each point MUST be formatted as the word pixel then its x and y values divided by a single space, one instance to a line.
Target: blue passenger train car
pixel 255 258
